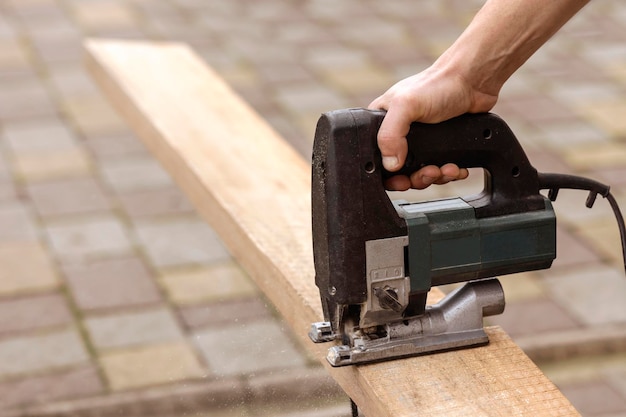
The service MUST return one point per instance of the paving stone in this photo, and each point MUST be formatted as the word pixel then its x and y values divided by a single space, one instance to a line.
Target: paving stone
pixel 55 51
pixel 333 56
pixel 70 80
pixel 617 379
pixel 78 382
pixel 12 55
pixel 145 327
pixel 5 170
pixel 18 276
pixel 581 93
pixel 157 202
pixel 242 76
pixel 592 294
pixel 220 281
pixel 533 317
pixel 93 115
pixel 42 166
pixel 359 80
pixel 17 223
pixel 8 191
pixel 38 136
pixel 616 176
pixel 111 284
pixel 566 68
pixel 224 313
pixel 25 354
pixel 179 242
pixel 558 135
pixel 540 109
pixel 594 398
pixel 101 14
pixel 570 250
pixel 605 155
pixel 604 237
pixel 7 29
pixel 34 9
pixel 150 365
pixel 134 174
pixel 521 287
pixel 87 238
pixel 57 29
pixel 237 349
pixel 24 100
pixel 33 312
pixel 67 197
pixel 607 115
pixel 379 32
pixel 310 97
pixel 123 144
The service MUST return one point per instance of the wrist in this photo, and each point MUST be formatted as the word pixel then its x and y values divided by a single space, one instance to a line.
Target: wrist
pixel 479 86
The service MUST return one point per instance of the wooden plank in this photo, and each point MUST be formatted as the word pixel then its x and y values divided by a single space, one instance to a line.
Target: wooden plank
pixel 254 190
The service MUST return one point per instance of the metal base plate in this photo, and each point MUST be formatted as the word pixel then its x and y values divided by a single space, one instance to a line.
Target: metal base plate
pixel 344 355
pixel 453 323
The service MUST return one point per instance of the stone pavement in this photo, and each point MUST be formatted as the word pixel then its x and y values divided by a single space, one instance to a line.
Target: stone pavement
pixel 116 299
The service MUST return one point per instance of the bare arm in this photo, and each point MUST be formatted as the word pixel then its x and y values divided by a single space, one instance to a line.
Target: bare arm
pixel 466 78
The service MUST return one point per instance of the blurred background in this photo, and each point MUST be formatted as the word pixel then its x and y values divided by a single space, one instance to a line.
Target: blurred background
pixel 116 299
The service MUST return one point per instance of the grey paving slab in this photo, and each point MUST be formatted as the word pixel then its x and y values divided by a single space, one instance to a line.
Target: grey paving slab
pixel 309 97
pixel 111 284
pixel 20 277
pixel 150 365
pixel 25 99
pixel 247 348
pixel 181 241
pixel 137 328
pixel 534 317
pixel 122 144
pixel 593 293
pixel 72 383
pixel 33 312
pixel 90 237
pixel 228 313
pixel 17 223
pixel 157 202
pixel 572 251
pixel 70 80
pixel 617 379
pixel 219 281
pixel 38 135
pixel 134 174
pixel 69 197
pixel 8 191
pixel 22 355
pixel 594 398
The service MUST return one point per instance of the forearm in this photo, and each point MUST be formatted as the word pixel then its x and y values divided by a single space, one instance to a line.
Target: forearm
pixel 501 37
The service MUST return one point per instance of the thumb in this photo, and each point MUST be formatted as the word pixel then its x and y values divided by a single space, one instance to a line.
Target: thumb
pixel 392 139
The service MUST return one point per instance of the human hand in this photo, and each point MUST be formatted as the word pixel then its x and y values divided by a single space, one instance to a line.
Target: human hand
pixel 431 96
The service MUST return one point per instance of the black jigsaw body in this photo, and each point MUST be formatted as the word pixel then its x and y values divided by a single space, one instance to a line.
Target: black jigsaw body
pixel 376 260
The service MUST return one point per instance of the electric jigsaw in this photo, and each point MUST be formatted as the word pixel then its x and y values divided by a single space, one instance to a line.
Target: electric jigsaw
pixel 376 260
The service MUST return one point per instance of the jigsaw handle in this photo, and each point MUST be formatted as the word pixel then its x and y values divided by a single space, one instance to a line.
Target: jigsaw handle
pixel 476 141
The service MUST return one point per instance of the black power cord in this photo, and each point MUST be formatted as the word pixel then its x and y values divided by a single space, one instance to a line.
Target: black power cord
pixel 554 182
